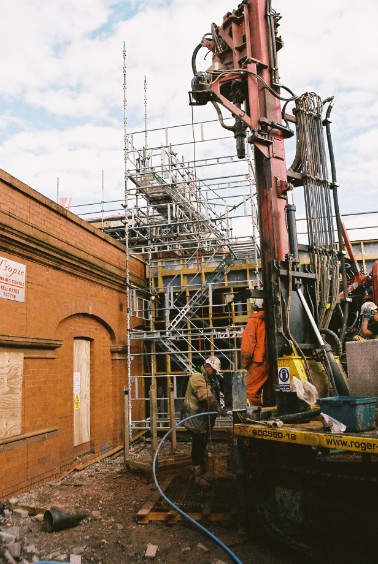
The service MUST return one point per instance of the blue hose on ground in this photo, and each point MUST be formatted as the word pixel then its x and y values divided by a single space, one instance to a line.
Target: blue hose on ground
pixel 209 533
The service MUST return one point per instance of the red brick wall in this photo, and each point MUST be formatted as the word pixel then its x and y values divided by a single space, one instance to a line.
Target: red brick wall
pixel 74 288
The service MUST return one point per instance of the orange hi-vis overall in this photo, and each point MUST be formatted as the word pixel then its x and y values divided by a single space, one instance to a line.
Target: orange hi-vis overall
pixel 253 356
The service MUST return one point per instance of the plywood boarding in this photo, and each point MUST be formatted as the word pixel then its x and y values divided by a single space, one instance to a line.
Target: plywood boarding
pixel 81 391
pixel 11 371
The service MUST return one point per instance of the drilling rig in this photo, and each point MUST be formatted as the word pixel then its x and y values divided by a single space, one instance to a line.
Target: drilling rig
pixel 298 477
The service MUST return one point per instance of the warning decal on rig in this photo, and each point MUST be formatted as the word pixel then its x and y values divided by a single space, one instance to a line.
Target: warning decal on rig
pixel 284 379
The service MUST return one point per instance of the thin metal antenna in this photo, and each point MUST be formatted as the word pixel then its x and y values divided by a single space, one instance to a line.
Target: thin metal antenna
pixel 102 200
pixel 145 114
pixel 57 190
pixel 126 219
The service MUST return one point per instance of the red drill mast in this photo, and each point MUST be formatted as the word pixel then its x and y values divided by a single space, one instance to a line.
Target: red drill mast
pixel 244 79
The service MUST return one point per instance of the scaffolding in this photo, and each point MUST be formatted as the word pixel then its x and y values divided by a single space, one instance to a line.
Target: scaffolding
pixel 192 219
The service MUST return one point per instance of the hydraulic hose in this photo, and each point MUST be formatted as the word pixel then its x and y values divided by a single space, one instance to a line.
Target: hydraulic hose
pixel 185 515
pixel 195 53
pixel 220 117
pixel 334 186
pixel 194 57
pixel 342 387
pixel 335 338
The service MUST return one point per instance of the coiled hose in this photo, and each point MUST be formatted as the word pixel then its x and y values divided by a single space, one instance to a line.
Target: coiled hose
pixel 185 515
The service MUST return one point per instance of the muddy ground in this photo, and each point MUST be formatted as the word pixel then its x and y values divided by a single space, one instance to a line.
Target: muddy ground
pixel 112 495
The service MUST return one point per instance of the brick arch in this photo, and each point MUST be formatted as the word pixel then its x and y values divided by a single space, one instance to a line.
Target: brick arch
pixel 85 307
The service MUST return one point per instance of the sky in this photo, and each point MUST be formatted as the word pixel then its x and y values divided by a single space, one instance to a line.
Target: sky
pixel 61 93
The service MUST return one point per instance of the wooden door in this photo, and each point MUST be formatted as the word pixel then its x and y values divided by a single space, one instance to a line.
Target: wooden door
pixel 82 391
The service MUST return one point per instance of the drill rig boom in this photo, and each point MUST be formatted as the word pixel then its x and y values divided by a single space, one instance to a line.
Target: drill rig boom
pixel 244 79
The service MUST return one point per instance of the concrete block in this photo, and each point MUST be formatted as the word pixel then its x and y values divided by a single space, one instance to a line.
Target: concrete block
pixel 15 549
pixel 6 538
pixel 151 551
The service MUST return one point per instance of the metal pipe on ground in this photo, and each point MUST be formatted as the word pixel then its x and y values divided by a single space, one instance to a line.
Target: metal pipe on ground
pixel 58 519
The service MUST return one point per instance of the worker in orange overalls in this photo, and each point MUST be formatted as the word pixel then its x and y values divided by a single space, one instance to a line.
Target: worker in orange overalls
pixel 253 353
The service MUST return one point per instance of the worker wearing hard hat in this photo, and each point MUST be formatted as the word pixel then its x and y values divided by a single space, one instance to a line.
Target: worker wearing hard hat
pixel 202 395
pixel 369 326
pixel 253 353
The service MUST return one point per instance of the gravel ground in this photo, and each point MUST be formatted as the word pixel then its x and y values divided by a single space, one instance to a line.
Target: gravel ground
pixel 111 495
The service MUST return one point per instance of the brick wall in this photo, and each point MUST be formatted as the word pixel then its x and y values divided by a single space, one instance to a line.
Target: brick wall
pixel 74 289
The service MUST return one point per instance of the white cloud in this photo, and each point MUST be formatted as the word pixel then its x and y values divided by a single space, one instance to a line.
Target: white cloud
pixel 62 87
pixel 33 30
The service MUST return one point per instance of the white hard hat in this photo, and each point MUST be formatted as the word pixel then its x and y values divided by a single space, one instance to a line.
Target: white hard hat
pixel 368 308
pixel 214 362
pixel 259 303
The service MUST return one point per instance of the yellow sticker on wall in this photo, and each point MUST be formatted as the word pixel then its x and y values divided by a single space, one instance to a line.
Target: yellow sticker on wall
pixel 77 401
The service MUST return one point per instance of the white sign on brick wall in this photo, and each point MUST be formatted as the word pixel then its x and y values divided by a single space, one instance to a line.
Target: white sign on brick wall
pixel 12 280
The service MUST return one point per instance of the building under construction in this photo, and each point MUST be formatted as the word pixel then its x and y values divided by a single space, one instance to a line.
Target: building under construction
pixel 132 300
pixel 190 212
